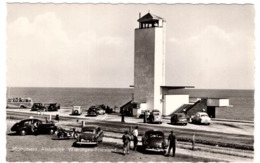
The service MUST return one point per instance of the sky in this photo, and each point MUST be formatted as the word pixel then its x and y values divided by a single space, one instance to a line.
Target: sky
pixel 92 45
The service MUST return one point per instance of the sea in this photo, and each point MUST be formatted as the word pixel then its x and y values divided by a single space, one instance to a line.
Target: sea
pixel 242 101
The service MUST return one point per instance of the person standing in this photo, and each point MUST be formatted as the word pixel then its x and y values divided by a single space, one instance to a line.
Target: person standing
pixel 123 115
pixel 126 141
pixel 57 117
pixel 135 133
pixel 172 144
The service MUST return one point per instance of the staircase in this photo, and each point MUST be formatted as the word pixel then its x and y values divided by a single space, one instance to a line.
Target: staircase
pixel 187 107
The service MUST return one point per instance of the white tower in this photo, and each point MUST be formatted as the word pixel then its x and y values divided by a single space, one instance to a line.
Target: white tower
pixel 149 62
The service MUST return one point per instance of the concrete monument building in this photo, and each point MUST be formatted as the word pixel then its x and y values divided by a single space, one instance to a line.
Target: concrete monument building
pixel 149 61
pixel 150 91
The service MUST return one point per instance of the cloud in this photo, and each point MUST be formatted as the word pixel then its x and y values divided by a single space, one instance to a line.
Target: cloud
pixel 212 58
pixel 42 49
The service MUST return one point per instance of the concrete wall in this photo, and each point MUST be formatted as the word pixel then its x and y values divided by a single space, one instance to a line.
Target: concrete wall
pixel 159 67
pixel 218 102
pixel 149 66
pixel 223 102
pixel 144 66
pixel 173 102
pixel 138 111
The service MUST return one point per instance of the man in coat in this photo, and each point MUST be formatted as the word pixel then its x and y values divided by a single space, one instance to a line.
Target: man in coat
pixel 172 144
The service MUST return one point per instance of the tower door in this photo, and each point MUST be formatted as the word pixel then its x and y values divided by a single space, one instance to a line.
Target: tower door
pixel 211 110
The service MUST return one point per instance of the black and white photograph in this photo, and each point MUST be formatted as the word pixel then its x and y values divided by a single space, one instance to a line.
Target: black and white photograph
pixel 129 82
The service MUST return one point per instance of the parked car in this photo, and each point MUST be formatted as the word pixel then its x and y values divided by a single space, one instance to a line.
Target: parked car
pixel 92 111
pixel 51 106
pixel 142 113
pixel 90 134
pixel 24 127
pixel 154 140
pixel 100 111
pixel 179 118
pixel 76 110
pixel 37 106
pixel 155 116
pixel 201 118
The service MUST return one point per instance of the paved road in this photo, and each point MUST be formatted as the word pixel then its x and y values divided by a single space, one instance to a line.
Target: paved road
pixel 29 148
pixel 48 148
pixel 220 136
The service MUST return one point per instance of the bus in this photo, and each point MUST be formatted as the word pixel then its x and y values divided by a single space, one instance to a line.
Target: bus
pixel 18 102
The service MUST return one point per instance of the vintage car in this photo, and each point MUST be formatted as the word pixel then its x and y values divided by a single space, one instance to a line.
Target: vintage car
pixel 154 140
pixel 179 118
pixel 92 111
pixel 32 126
pixel 51 106
pixel 147 112
pixel 90 135
pixel 100 111
pixel 155 116
pixel 201 118
pixel 37 106
pixel 76 110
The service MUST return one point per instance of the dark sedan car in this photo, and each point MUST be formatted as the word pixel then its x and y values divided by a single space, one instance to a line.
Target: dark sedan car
pixel 37 106
pixel 179 118
pixel 30 126
pixel 154 140
pixel 92 111
pixel 90 135
pixel 51 106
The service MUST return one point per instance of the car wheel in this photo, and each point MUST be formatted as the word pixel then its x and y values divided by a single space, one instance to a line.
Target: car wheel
pixel 75 135
pixel 60 136
pixel 23 132
pixel 51 132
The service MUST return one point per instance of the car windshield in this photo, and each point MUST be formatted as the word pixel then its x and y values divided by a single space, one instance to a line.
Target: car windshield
pixel 89 131
pixel 204 115
pixel 155 135
pixel 181 115
pixel 156 113
pixel 27 122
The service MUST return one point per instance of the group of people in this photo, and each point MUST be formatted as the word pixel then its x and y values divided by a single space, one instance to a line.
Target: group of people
pixel 127 139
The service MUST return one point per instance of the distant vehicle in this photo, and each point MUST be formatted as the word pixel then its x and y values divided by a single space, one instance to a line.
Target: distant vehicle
pixel 76 110
pixel 51 106
pixel 100 111
pixel 179 118
pixel 142 113
pixel 96 110
pixel 201 118
pixel 90 134
pixel 37 106
pixel 19 102
pixel 24 127
pixel 155 117
pixel 92 111
pixel 154 140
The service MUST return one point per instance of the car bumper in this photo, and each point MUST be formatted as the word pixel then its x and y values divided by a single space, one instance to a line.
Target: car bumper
pixel 205 122
pixel 85 143
pixel 156 149
pixel 181 123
